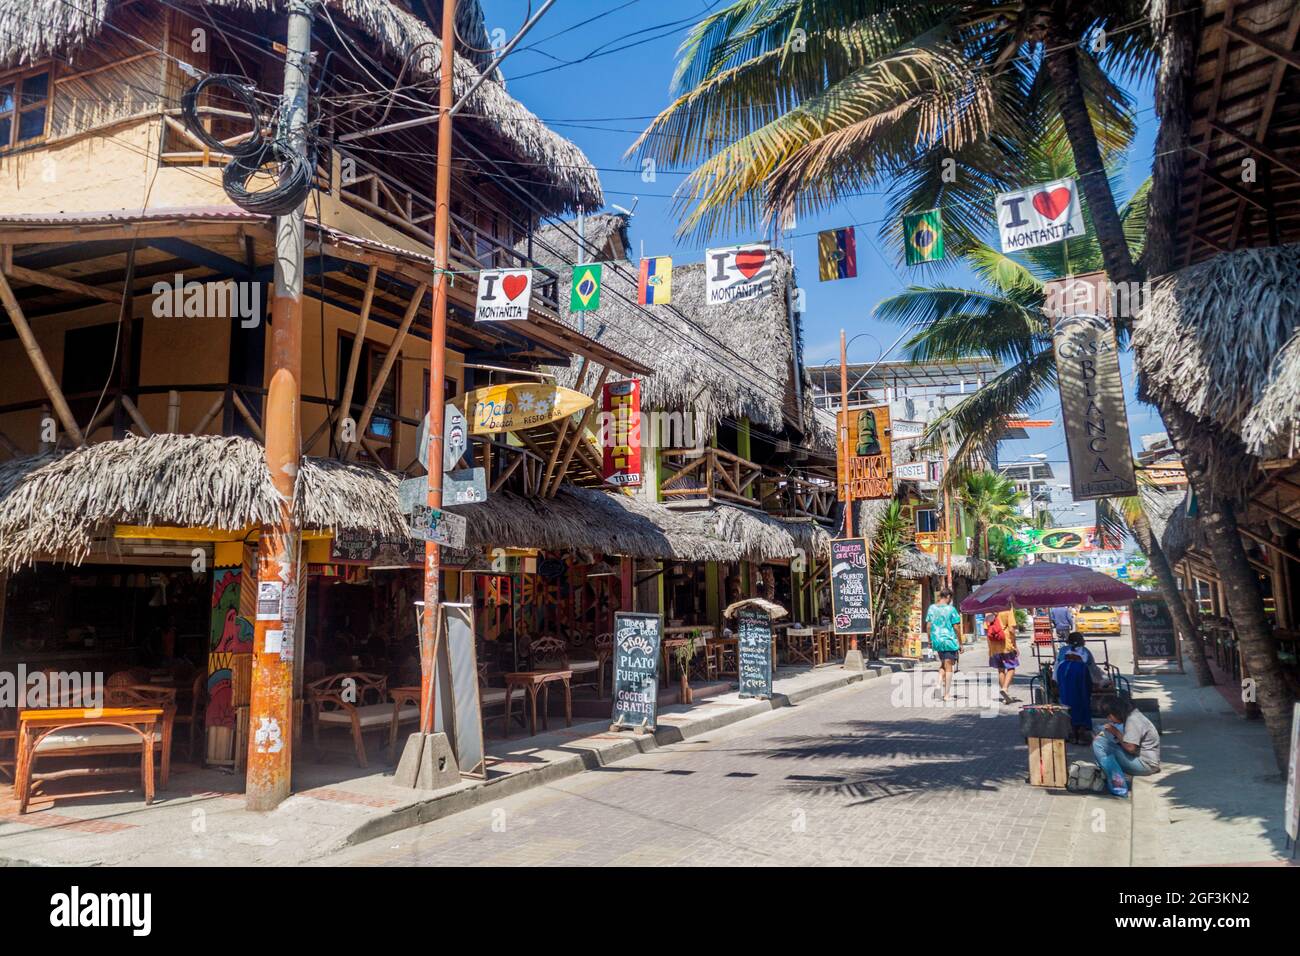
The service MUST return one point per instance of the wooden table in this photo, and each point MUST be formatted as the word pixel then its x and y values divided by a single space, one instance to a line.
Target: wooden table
pixel 675 637
pixel 532 682
pixel 34 726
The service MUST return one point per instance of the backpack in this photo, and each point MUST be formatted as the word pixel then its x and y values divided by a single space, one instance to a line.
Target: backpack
pixel 1085 777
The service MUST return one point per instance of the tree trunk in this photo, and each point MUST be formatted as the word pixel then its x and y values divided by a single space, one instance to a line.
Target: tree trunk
pixel 1218 515
pixel 1062 65
pixel 1146 540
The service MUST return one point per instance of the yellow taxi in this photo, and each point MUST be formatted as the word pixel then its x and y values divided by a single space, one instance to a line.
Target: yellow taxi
pixel 1097 619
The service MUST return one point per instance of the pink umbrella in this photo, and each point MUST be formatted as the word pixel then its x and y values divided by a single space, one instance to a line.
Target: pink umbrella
pixel 1044 584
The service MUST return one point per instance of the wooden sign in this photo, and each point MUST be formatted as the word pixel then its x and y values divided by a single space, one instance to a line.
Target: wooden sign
pixel 354 546
pixel 1092 408
pixel 867 471
pixel 754 630
pixel 457 711
pixel 508 408
pixel 637 638
pixel 1154 637
pixel 850 587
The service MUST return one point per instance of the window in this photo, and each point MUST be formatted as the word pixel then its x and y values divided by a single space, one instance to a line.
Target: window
pixel 927 520
pixel 24 106
pixel 372 359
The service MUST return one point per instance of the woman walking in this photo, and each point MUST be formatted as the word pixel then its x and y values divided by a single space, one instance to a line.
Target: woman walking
pixel 942 620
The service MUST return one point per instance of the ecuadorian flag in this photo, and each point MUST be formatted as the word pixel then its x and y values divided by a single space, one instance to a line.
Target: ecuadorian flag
pixel 837 254
pixel 655 285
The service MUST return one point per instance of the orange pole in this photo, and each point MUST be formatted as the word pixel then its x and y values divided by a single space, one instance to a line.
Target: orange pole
pixel 947 513
pixel 844 451
pixel 275 630
pixel 438 361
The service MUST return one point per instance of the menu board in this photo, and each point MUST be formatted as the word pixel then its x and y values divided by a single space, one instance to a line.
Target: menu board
pixel 1154 637
pixel 850 586
pixel 636 669
pixel 755 643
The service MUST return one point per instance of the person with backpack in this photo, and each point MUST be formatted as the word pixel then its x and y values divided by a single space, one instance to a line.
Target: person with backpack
pixel 1003 653
pixel 942 621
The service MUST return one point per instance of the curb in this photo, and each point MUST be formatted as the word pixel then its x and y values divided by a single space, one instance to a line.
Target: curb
pixel 444 805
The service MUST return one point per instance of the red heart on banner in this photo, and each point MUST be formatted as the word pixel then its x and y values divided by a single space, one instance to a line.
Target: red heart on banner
pixel 1052 204
pixel 750 261
pixel 512 285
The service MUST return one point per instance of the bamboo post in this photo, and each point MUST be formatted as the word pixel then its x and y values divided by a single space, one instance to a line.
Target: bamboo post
pixel 173 411
pixel 390 359
pixel 37 358
pixel 577 437
pixel 354 361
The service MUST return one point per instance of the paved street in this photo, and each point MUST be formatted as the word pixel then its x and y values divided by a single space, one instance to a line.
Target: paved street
pixel 871 774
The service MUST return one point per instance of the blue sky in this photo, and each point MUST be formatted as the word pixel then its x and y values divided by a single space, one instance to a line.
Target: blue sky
pixel 627 50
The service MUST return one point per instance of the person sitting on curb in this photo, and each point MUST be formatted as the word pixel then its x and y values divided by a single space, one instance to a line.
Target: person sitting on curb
pixel 1128 745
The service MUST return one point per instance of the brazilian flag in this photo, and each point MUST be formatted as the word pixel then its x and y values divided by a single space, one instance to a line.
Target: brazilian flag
pixel 923 237
pixel 585 294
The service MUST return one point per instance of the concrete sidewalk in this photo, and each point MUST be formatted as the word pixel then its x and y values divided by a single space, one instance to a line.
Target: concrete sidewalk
pixel 200 820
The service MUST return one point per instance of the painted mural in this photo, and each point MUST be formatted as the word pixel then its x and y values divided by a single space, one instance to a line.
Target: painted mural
pixel 231 633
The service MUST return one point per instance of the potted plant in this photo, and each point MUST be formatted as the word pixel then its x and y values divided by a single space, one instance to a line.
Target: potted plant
pixel 684 652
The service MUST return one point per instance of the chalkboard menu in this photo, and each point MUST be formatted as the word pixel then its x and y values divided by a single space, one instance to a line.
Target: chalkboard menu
pixel 1154 637
pixel 755 642
pixel 357 546
pixel 850 586
pixel 636 669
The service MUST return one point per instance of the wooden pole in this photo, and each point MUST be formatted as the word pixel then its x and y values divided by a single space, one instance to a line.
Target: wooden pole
pixel 438 359
pixel 37 358
pixel 845 458
pixel 345 401
pixel 947 514
pixel 276 640
pixel 390 359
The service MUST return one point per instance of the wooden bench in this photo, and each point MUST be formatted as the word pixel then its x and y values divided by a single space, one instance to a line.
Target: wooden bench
pixel 355 701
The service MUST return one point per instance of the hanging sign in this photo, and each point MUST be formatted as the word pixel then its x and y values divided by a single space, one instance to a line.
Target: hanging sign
pixel 508 408
pixel 455 438
pixel 503 295
pixel 463 487
pixel 1039 215
pixel 1067 540
pixel 1092 408
pixel 906 429
pixel 438 526
pixel 868 470
pixel 360 546
pixel 754 652
pixel 850 586
pixel 738 273
pixel 912 471
pixel 620 433
pixel 637 638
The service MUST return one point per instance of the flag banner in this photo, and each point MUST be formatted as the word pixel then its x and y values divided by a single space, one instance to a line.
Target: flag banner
pixel 621 434
pixel 1039 215
pixel 1092 408
pixel 655 285
pixel 837 254
pixel 503 295
pixel 923 237
pixel 738 273
pixel 585 294
pixel 865 467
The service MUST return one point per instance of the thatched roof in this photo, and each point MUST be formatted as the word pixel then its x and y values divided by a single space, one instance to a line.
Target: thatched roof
pixel 1216 340
pixel 734 361
pixel 559 174
pixel 916 565
pixel 972 568
pixel 1180 534
pixel 58 505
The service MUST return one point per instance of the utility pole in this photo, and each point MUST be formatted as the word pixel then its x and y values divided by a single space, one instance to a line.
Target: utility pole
pixel 947 514
pixel 853 656
pixel 275 632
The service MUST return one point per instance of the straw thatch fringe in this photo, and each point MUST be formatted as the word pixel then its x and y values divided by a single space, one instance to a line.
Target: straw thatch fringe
pixel 31 30
pixel 1211 341
pixel 916 565
pixel 761 537
pixel 1180 534
pixel 733 360
pixel 972 568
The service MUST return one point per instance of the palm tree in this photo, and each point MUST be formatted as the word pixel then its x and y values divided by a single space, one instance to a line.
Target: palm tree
pixel 1007 320
pixel 1114 517
pixel 788 106
pixel 992 503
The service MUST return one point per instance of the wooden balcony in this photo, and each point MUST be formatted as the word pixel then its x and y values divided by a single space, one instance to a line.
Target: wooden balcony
pixel 701 476
pixel 791 496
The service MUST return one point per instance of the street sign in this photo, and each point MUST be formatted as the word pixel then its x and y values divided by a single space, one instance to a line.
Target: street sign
pixel 438 526
pixel 912 471
pixel 455 438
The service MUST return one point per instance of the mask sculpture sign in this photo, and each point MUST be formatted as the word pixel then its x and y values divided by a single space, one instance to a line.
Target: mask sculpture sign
pixel 1092 408
pixel 866 465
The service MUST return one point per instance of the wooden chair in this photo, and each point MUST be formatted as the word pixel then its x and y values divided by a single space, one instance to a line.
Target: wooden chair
pixel 604 659
pixel 190 709
pixel 496 697
pixel 122 690
pixel 553 652
pixel 358 702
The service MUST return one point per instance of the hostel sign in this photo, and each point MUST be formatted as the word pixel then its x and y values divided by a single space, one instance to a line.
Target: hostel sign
pixel 865 466
pixel 1092 408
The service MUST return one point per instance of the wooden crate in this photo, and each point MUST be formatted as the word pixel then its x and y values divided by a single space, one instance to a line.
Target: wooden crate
pixel 1047 762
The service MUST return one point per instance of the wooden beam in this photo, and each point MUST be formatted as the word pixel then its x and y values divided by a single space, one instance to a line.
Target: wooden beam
pixel 562 431
pixel 1256 147
pixel 1268 46
pixel 136 417
pixel 390 359
pixel 212 413
pixel 354 362
pixel 38 361
pixel 577 436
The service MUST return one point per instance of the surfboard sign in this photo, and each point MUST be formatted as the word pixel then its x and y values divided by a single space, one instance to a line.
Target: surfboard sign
pixel 510 408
